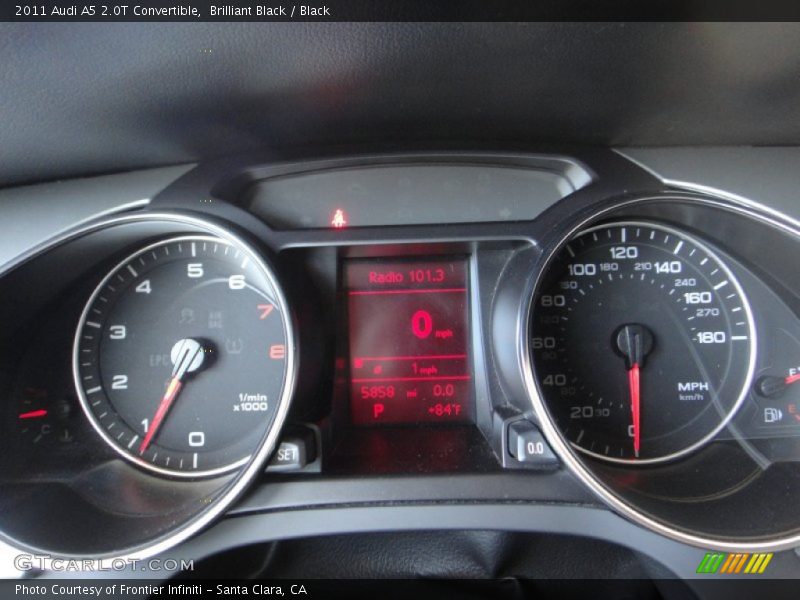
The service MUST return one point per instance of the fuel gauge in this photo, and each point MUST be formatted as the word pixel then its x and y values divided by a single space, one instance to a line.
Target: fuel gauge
pixel 780 398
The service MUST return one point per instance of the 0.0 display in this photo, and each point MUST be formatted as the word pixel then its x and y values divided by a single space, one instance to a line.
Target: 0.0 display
pixel 409 341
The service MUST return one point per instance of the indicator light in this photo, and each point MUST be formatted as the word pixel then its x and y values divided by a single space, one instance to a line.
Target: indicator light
pixel 339 219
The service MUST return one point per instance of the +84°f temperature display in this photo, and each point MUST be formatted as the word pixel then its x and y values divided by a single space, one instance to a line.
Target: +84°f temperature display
pixel 409 361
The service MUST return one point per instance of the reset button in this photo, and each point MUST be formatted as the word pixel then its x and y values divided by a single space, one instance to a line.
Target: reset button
pixel 527 445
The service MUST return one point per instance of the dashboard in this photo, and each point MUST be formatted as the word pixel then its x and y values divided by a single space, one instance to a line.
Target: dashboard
pixel 569 344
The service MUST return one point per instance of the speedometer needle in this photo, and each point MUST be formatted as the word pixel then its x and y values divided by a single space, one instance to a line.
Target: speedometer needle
pixel 634 342
pixel 633 384
pixel 187 356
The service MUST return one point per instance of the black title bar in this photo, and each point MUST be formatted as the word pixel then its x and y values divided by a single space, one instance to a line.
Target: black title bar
pixel 400 10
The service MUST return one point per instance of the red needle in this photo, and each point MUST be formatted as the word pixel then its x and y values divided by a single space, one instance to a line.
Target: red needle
pixel 792 379
pixel 633 384
pixel 34 414
pixel 173 388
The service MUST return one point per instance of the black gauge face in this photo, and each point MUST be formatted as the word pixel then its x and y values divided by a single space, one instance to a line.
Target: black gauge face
pixel 642 342
pixel 182 356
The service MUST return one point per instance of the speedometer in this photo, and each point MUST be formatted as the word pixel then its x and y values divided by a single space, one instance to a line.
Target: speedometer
pixel 642 342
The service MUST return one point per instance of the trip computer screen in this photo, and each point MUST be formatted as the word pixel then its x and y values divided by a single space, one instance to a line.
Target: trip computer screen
pixel 409 341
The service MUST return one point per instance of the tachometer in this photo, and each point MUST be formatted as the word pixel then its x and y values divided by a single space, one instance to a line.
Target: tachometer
pixel 182 355
pixel 642 342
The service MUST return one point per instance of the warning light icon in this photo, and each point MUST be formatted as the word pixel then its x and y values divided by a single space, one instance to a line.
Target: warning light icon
pixel 339 220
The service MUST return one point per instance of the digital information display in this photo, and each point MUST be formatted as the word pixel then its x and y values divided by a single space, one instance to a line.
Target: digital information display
pixel 409 340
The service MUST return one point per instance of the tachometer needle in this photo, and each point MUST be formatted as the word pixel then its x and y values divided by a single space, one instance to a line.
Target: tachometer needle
pixel 633 384
pixel 187 356
pixel 173 388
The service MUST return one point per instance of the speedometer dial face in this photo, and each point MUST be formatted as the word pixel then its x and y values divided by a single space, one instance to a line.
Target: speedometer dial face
pixel 642 342
pixel 182 356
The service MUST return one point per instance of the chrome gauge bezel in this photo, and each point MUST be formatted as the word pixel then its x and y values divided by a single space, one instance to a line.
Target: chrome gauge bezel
pixel 186 224
pixel 571 457
pixel 80 388
pixel 752 336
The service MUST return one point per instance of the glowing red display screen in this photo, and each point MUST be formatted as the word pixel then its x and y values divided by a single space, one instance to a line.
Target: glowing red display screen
pixel 409 359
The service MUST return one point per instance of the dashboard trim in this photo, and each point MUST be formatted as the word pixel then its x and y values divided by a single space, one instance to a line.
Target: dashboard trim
pixel 729 168
pixel 540 517
pixel 64 205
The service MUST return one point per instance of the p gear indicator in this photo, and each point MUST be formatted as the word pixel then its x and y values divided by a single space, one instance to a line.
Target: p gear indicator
pixel 409 359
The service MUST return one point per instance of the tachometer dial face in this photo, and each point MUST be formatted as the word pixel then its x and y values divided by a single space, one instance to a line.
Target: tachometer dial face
pixel 642 342
pixel 182 356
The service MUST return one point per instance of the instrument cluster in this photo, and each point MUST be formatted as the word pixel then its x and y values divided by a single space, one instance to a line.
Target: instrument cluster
pixel 643 340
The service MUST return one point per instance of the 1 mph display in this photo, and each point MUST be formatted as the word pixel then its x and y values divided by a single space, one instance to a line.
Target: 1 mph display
pixel 642 342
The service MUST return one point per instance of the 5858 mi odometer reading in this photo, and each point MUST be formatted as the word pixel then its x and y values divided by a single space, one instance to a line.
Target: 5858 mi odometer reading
pixel 183 354
pixel 642 342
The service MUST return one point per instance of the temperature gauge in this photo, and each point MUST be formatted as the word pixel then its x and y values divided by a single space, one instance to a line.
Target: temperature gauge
pixel 42 419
